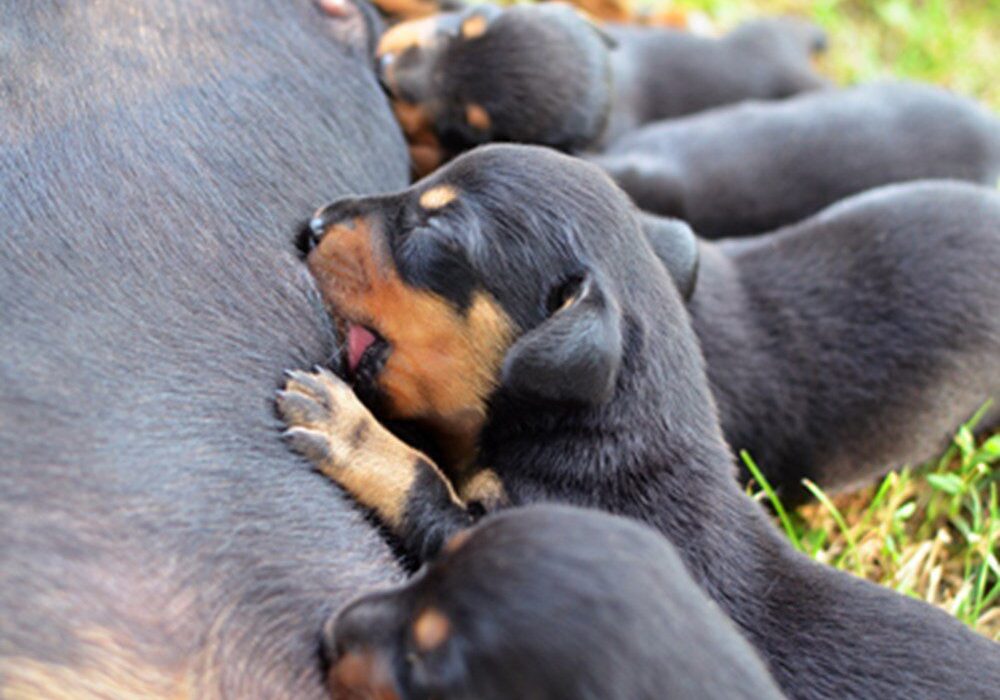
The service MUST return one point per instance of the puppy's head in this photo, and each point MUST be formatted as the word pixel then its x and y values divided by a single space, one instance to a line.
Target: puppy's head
pixel 511 269
pixel 530 74
pixel 530 603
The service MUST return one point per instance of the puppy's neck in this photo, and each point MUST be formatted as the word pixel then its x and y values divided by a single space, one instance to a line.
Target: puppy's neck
pixel 654 452
pixel 660 421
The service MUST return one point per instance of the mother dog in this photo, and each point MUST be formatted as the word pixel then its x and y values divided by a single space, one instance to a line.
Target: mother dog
pixel 155 158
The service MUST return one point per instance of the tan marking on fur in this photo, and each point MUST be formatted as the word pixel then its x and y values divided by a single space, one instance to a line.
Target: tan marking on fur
pixel 397 39
pixel 110 669
pixel 438 197
pixel 456 542
pixel 362 675
pixel 408 9
pixel 425 159
pixel 485 487
pixel 474 27
pixel 443 364
pixel 477 117
pixel 414 119
pixel 431 629
pixel 426 154
pixel 608 10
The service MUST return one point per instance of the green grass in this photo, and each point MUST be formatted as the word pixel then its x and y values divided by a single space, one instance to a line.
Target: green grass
pixel 954 43
pixel 931 533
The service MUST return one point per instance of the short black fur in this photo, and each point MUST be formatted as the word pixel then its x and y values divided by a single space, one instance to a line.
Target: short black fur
pixel 155 161
pixel 742 170
pixel 551 602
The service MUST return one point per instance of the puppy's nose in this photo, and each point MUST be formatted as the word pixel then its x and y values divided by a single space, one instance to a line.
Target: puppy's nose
pixel 384 64
pixel 340 213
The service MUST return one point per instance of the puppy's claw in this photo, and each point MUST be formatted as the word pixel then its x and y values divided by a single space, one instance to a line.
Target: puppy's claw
pixel 309 384
pixel 300 409
pixel 311 444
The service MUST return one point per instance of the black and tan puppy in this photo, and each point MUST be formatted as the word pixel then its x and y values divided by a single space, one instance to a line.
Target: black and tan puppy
pixel 514 296
pixel 754 167
pixel 546 602
pixel 543 74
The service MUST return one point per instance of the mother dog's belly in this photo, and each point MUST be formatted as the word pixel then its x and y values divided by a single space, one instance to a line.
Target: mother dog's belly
pixel 155 164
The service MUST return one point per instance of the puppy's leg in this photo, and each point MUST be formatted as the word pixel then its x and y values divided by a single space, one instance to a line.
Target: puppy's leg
pixel 405 489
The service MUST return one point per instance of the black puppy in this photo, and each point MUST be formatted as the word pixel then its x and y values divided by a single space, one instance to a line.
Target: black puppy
pixel 740 170
pixel 544 74
pixel 546 602
pixel 514 294
pixel 854 342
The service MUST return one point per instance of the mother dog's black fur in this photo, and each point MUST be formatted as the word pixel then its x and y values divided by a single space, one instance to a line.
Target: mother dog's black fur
pixel 549 602
pixel 602 400
pixel 156 159
pixel 754 167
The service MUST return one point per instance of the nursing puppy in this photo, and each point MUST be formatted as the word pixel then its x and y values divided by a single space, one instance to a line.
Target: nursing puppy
pixel 546 602
pixel 550 330
pixel 754 167
pixel 543 74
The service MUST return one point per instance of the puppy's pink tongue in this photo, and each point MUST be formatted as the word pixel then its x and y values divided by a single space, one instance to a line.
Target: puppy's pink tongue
pixel 359 339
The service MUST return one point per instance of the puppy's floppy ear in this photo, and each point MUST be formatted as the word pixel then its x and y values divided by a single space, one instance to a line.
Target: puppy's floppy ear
pixel 576 353
pixel 676 246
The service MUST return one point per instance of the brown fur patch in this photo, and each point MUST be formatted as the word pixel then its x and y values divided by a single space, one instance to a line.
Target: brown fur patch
pixel 363 676
pixel 399 38
pixel 409 9
pixel 444 364
pixel 425 159
pixel 477 117
pixel 415 121
pixel 474 27
pixel 431 629
pixel 426 154
pixel 112 669
pixel 485 487
pixel 608 10
pixel 456 542
pixel 438 197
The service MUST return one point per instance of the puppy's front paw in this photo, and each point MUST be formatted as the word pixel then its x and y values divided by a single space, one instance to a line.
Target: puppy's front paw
pixel 329 425
pixel 326 421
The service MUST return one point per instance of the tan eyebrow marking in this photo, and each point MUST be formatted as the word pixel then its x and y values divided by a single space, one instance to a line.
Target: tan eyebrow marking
pixel 477 117
pixel 438 197
pixel 474 27
pixel 431 629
